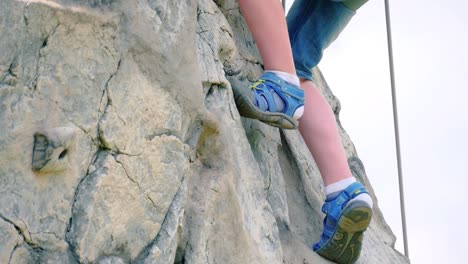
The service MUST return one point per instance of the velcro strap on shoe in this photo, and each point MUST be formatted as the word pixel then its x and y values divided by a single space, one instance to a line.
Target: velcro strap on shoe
pixel 355 189
pixel 267 102
pixel 292 95
pixel 286 88
pixel 334 207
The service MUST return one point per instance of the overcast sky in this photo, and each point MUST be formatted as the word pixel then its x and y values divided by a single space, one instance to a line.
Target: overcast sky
pixel 431 62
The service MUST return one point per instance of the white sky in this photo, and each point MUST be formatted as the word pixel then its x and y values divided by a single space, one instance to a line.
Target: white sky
pixel 431 62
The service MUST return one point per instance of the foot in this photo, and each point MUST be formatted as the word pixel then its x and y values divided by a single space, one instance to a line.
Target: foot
pixel 270 100
pixel 344 224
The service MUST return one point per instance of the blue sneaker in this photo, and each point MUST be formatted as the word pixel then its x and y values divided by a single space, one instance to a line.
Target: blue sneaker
pixel 344 225
pixel 258 102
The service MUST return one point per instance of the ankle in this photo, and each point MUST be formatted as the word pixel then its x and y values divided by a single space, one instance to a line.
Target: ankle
pixel 336 187
pixel 339 185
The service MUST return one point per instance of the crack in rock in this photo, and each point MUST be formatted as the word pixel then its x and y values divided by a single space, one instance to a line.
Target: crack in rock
pixel 128 175
pixel 103 114
pixel 135 181
pixel 22 233
pixel 13 252
pixel 98 156
pixel 171 210
pixel 45 43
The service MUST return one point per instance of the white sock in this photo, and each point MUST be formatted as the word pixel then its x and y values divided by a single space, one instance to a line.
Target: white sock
pixel 365 198
pixel 339 185
pixel 343 184
pixel 291 78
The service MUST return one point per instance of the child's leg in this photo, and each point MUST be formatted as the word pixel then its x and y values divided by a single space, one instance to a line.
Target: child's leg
pixel 265 19
pixel 275 98
pixel 318 128
pixel 349 206
pixel 313 25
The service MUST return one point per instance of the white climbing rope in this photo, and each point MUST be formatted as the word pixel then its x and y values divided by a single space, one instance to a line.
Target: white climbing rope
pixel 397 131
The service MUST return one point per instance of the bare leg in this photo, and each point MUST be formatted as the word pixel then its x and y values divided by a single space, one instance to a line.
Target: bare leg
pixel 318 128
pixel 266 21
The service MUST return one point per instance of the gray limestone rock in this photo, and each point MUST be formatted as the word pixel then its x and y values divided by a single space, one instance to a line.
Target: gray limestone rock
pixel 121 141
pixel 9 239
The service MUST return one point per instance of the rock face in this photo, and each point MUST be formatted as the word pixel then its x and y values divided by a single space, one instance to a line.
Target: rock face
pixel 121 141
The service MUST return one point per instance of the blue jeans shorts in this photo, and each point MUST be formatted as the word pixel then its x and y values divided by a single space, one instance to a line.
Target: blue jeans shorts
pixel 313 25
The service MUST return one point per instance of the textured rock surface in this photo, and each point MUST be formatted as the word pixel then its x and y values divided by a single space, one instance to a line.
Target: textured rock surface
pixel 121 141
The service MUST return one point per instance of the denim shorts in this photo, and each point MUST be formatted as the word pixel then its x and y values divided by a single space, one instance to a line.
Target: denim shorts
pixel 313 25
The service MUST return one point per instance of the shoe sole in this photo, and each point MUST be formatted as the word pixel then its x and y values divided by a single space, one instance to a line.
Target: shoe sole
pixel 248 109
pixel 345 245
